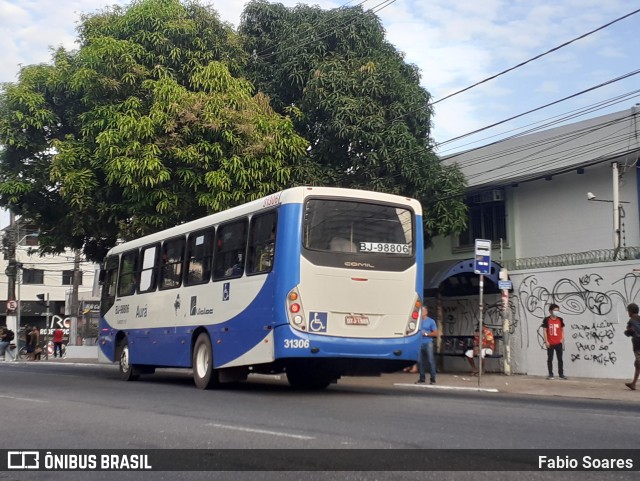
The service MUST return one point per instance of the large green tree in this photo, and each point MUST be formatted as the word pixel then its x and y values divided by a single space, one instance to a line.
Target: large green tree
pixel 146 125
pixel 359 103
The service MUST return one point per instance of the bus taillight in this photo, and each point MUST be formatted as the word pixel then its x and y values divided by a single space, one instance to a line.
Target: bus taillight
pixel 413 322
pixel 295 312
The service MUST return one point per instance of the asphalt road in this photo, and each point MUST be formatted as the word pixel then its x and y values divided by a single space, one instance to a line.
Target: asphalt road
pixel 62 406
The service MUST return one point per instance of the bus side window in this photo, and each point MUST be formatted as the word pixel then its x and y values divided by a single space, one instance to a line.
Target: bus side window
pixel 262 235
pixel 199 254
pixel 108 297
pixel 171 261
pixel 231 242
pixel 128 273
pixel 148 271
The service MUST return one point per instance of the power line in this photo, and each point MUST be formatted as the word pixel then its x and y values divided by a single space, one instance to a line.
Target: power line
pixel 554 120
pixel 382 5
pixel 610 141
pixel 257 55
pixel 427 149
pixel 609 82
pixel 554 140
pixel 555 49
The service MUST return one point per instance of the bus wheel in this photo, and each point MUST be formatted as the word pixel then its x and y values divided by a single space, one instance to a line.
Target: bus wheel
pixel 308 380
pixel 127 371
pixel 204 375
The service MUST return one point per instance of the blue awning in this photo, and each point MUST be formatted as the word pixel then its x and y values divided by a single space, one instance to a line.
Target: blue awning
pixel 456 278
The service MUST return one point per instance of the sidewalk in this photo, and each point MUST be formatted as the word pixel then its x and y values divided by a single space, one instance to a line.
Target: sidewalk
pixel 578 387
pixel 587 388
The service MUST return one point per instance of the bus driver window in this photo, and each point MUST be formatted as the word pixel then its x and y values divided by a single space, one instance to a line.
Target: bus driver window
pixel 265 262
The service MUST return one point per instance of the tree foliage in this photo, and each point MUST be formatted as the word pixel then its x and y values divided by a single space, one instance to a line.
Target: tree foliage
pixel 146 125
pixel 360 104
pixel 164 114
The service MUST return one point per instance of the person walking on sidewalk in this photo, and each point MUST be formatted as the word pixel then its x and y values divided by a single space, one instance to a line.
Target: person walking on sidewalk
pixel 553 329
pixel 429 330
pixel 633 331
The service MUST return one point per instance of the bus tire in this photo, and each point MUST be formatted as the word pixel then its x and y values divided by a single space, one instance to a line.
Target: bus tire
pixel 204 375
pixel 308 380
pixel 128 372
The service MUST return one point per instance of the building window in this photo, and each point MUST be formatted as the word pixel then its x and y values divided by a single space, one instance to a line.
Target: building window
pixel 67 278
pixel 32 276
pixel 487 220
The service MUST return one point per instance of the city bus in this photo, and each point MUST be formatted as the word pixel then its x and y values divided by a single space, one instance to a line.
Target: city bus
pixel 313 282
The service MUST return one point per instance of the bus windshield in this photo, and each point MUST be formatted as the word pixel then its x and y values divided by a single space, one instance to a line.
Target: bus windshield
pixel 357 227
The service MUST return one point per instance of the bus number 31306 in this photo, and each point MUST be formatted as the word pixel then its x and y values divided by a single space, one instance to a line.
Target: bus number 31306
pixel 296 343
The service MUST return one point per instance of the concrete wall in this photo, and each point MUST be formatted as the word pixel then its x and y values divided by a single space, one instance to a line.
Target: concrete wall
pixel 592 302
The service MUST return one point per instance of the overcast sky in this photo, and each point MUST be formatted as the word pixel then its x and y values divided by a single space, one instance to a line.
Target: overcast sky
pixel 454 43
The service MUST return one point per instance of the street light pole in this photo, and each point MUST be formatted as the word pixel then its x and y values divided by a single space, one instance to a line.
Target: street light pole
pixel 18 312
pixel 616 206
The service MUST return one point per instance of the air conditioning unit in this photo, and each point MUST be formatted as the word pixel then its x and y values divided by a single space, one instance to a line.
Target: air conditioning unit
pixel 494 195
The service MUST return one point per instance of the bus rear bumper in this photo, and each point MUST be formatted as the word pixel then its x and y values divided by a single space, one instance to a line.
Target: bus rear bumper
pixel 292 344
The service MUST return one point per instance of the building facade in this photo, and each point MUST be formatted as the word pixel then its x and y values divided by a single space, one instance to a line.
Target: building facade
pixel 42 288
pixel 561 209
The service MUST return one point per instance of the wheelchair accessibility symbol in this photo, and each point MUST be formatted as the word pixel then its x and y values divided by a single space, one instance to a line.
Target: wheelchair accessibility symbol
pixel 318 322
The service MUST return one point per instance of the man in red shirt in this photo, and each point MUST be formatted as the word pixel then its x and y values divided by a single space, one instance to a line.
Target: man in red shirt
pixel 553 329
pixel 58 335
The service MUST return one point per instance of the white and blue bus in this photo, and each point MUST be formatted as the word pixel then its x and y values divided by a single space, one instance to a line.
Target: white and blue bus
pixel 315 282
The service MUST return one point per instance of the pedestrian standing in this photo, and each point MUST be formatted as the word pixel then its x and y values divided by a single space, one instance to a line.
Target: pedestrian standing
pixel 633 331
pixel 58 334
pixel 429 330
pixel 33 344
pixel 553 329
pixel 4 342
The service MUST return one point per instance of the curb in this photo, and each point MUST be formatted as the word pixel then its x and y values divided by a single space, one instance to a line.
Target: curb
pixel 446 388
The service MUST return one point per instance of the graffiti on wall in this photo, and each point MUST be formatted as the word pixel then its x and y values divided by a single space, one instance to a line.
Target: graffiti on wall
pixel 460 316
pixel 588 308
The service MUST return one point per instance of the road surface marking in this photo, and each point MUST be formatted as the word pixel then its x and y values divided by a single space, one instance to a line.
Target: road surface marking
pixel 24 399
pixel 259 431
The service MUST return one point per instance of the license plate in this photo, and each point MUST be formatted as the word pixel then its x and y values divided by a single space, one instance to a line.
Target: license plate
pixel 356 320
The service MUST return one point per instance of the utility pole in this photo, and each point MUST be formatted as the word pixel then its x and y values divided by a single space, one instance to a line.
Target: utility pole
pixel 73 331
pixel 9 246
pixel 45 298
